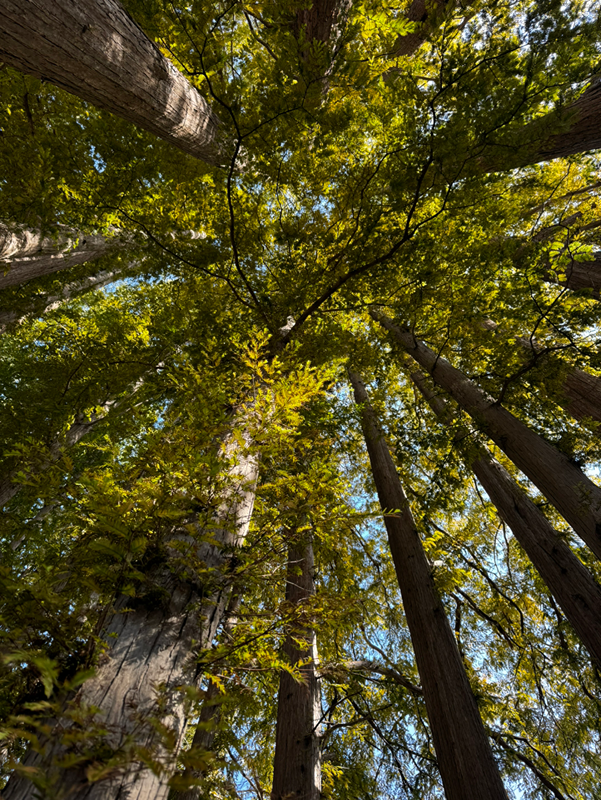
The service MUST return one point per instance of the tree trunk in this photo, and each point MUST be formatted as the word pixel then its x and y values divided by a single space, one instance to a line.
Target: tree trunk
pixel 27 254
pixel 322 22
pixel 580 392
pixel 569 581
pixel 297 760
pixel 583 118
pixel 419 11
pixel 49 302
pixel 94 50
pixel 463 751
pixel 564 484
pixel 578 275
pixel 137 689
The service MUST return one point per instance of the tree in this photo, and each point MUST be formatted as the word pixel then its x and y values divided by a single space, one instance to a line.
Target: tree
pixel 352 183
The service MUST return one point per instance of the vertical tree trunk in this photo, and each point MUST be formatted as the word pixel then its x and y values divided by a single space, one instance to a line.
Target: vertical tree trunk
pixel 564 484
pixel 569 581
pixel 297 761
pixel 138 685
pixel 463 751
pixel 26 254
pixel 94 50
pixel 49 302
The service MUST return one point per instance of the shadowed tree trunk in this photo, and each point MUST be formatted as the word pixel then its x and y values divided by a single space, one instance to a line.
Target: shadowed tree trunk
pixel 138 688
pixel 580 392
pixel 569 581
pixel 564 484
pixel 49 302
pixel 578 275
pixel 465 759
pixel 26 254
pixel 94 50
pixel 419 11
pixel 297 760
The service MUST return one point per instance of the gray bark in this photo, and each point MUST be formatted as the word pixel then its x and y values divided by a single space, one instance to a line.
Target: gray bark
pixel 569 581
pixel 50 302
pixel 27 254
pixel 465 759
pixel 94 50
pixel 150 657
pixel 564 484
pixel 297 760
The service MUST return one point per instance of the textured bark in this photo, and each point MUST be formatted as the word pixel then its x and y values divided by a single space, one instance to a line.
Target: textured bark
pixel 322 21
pixel 94 50
pixel 569 581
pixel 419 11
pixel 465 759
pixel 50 302
pixel 583 117
pixel 26 254
pixel 297 760
pixel 150 655
pixel 564 484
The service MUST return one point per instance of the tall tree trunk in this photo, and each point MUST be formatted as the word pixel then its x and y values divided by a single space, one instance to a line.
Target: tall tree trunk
pixel 580 392
pixel 569 581
pixel 465 759
pixel 49 302
pixel 94 50
pixel 564 484
pixel 27 254
pixel 138 685
pixel 297 760
pixel 578 275
pixel 423 11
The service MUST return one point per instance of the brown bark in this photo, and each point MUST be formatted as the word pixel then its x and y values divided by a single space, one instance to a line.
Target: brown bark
pixel 50 302
pixel 465 759
pixel 322 21
pixel 578 275
pixel 569 581
pixel 138 684
pixel 297 760
pixel 564 484
pixel 26 254
pixel 94 50
pixel 419 11
pixel 580 392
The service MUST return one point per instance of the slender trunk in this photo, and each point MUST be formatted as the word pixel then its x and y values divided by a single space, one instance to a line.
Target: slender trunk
pixel 569 581
pixel 26 254
pixel 49 302
pixel 564 484
pixel 297 760
pixel 93 49
pixel 465 759
pixel 138 688
pixel 580 392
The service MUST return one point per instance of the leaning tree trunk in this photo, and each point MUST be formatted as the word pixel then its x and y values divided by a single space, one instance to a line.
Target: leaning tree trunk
pixel 465 759
pixel 297 760
pixel 569 581
pixel 579 393
pixel 27 254
pixel 94 50
pixel 136 701
pixel 564 484
pixel 578 275
pixel 50 302
pixel 424 12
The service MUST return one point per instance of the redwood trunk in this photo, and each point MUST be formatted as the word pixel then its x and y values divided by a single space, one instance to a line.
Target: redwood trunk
pixel 579 275
pixel 564 484
pixel 27 254
pixel 571 584
pixel 49 302
pixel 297 760
pixel 150 656
pixel 465 759
pixel 584 132
pixel 94 50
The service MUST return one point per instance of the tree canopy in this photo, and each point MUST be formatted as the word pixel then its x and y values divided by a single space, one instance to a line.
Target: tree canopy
pixel 176 414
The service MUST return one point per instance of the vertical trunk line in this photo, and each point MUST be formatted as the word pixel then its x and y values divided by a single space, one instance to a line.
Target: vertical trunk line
pixel 465 758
